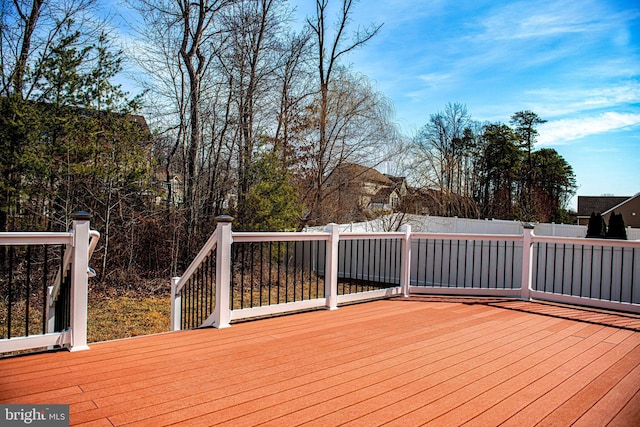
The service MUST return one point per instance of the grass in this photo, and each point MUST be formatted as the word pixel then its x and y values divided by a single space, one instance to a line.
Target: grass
pixel 125 316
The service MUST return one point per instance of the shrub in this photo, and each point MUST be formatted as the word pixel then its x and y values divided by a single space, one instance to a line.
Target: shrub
pixel 597 228
pixel 616 227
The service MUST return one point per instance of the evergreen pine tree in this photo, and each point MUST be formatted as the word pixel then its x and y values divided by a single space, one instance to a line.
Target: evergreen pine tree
pixel 597 228
pixel 616 227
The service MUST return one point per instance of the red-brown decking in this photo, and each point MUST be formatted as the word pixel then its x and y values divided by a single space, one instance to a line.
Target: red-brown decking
pixel 401 361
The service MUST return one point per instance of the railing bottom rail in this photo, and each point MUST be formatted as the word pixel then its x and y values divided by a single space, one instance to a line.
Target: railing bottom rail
pixel 54 339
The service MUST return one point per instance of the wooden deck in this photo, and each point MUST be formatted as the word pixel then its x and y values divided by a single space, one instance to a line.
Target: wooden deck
pixel 401 361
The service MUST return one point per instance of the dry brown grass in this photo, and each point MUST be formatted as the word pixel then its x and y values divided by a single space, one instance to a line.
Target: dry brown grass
pixel 124 316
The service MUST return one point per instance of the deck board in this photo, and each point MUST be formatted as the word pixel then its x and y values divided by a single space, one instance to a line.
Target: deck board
pixel 403 361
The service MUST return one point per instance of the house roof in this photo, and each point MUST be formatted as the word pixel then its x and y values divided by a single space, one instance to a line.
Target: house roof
pixel 383 194
pixel 396 179
pixel 598 204
pixel 360 173
pixel 621 203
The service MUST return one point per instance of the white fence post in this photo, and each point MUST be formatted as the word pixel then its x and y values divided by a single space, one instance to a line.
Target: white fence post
pixel 331 268
pixel 222 310
pixel 527 261
pixel 405 268
pixel 79 280
pixel 176 305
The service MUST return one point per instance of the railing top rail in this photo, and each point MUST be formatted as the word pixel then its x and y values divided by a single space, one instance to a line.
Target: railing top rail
pixel 278 237
pixel 464 236
pixel 193 267
pixel 36 238
pixel 588 242
pixel 368 235
pixel 94 236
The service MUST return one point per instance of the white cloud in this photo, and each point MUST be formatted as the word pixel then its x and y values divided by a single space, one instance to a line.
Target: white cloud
pixel 559 132
pixel 433 79
pixel 535 19
pixel 557 102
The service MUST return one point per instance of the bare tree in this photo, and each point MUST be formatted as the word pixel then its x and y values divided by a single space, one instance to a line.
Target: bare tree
pixel 358 129
pixel 181 36
pixel 330 48
pixel 442 151
pixel 295 80
pixel 249 63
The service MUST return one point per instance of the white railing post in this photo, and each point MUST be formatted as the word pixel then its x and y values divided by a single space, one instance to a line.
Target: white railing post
pixel 331 267
pixel 527 261
pixel 176 305
pixel 405 266
pixel 51 310
pixel 222 311
pixel 79 280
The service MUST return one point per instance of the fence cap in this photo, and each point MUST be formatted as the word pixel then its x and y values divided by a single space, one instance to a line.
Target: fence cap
pixel 80 215
pixel 224 218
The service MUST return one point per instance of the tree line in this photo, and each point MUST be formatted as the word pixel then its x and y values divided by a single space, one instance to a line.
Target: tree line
pixel 246 115
pixel 491 170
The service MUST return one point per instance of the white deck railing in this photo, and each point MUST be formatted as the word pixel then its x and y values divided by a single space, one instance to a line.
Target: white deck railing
pixel 80 242
pixel 593 272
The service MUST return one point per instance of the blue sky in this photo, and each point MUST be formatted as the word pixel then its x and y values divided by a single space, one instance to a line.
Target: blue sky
pixel 574 63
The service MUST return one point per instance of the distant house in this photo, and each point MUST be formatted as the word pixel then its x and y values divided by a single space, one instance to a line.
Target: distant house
pixel 170 190
pixel 628 206
pixel 385 200
pixel 360 191
pixel 419 201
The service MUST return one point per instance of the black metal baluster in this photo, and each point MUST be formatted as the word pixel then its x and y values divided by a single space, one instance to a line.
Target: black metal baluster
pixel 213 258
pixel 433 273
pixel 537 265
pixel 497 261
pixel 504 268
pixel 286 272
pixel 449 264
pixel 27 290
pixel 295 269
pixel 418 264
pixel 269 279
pixel 581 270
pixel 45 277
pixel 183 301
pixel 279 252
pixel 621 273
pixel 573 267
pixel 466 249
pixel 473 265
pixel 633 265
pixel 457 262
pixel 489 264
pixel 481 260
pixel 342 256
pixel 252 250
pixel 10 300
pixel 396 263
pixel 513 256
pixel 564 255
pixel 601 271
pixel 591 273
pixel 553 269
pixel 611 275
pixel 376 257
pixel 315 248
pixel 310 273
